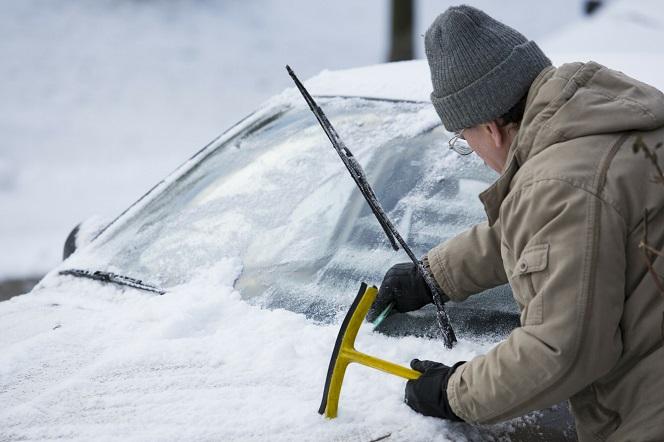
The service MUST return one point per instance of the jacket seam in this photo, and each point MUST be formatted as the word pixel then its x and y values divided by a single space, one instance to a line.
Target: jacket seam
pixel 573 85
pixel 448 286
pixel 454 397
pixel 612 424
pixel 585 300
pixel 626 101
pixel 588 189
pixel 560 136
pixel 637 360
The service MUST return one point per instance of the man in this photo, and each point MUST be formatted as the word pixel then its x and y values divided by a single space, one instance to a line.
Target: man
pixel 565 220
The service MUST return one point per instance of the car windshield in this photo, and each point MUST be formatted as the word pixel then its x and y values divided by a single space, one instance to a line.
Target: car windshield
pixel 277 198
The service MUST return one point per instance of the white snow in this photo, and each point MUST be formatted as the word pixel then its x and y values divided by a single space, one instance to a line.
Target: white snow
pixel 85 361
pixel 626 36
pixel 377 81
pixel 99 101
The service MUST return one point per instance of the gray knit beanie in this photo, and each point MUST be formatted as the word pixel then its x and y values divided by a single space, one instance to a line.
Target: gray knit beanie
pixel 480 67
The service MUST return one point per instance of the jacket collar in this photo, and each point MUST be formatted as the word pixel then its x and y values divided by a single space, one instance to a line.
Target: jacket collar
pixel 493 197
pixel 518 153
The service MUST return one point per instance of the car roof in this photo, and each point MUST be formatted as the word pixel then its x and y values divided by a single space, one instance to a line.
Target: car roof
pixel 405 80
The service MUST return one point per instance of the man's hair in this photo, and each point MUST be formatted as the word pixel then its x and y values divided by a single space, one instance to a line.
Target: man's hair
pixel 515 114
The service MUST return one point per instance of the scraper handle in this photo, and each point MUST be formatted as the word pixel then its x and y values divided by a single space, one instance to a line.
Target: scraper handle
pixel 344 353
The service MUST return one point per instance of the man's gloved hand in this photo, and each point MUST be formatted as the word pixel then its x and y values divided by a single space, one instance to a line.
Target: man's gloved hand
pixel 428 394
pixel 404 285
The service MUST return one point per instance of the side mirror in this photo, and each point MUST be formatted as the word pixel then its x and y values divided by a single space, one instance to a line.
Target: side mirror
pixel 70 242
pixel 83 234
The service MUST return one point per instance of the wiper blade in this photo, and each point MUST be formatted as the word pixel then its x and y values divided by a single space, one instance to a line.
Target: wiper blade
pixel 114 278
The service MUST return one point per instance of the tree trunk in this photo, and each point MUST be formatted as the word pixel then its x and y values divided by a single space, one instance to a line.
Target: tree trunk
pixel 591 6
pixel 401 44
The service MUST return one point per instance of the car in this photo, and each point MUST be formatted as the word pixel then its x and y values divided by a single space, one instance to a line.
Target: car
pixel 209 308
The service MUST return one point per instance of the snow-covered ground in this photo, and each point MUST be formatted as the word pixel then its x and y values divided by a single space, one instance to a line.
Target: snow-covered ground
pixel 102 99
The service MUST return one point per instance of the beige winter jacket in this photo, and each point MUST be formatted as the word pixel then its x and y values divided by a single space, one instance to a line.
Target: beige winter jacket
pixel 565 220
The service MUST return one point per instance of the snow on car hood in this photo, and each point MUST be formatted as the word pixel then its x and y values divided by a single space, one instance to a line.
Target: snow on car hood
pixel 87 361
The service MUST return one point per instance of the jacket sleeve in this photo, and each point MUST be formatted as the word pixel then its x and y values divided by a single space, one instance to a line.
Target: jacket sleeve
pixel 568 275
pixel 455 263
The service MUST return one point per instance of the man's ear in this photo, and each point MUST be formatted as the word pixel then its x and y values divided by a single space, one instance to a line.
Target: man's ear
pixel 495 133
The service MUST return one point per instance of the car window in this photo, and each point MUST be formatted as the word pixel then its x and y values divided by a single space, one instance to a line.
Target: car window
pixel 278 198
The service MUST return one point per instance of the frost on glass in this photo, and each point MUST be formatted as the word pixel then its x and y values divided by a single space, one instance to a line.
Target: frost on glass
pixel 278 198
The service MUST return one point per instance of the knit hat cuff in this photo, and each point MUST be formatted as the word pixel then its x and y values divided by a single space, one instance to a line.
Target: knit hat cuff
pixel 493 94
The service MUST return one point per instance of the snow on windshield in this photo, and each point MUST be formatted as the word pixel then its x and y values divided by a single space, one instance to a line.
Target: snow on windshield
pixel 278 197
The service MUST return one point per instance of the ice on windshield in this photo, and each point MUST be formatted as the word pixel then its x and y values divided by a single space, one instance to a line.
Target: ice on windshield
pixel 277 197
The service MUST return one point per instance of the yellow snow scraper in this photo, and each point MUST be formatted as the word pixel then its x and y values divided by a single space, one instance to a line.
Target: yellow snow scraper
pixel 344 353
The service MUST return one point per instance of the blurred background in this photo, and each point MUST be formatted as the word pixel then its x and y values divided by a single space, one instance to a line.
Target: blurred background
pixel 101 99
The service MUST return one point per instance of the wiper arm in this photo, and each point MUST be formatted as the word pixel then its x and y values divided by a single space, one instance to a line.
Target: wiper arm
pixel 114 278
pixel 391 232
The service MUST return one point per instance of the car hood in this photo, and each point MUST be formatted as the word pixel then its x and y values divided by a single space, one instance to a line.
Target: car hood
pixel 85 360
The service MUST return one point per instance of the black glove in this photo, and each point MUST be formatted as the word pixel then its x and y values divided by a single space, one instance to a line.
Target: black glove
pixel 404 285
pixel 428 394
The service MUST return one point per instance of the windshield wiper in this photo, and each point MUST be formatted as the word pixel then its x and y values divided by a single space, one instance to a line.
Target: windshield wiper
pixel 113 278
pixel 355 169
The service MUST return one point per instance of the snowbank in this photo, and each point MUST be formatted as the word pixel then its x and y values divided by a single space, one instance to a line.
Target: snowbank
pixel 625 35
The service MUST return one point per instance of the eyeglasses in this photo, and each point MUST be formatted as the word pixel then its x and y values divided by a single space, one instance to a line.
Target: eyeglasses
pixel 459 144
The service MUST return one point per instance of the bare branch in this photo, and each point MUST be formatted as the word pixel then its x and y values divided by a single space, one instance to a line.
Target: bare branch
pixel 655 276
pixel 649 252
pixel 650 154
pixel 650 249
